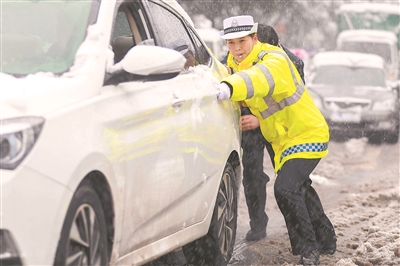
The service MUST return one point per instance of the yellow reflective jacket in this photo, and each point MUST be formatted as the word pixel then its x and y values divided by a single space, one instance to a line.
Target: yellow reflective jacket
pixel 269 84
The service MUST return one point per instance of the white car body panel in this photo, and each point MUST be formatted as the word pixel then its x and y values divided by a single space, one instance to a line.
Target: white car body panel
pixel 22 206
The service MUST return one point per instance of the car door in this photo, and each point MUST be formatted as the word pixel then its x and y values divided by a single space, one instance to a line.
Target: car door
pixel 146 142
pixel 200 126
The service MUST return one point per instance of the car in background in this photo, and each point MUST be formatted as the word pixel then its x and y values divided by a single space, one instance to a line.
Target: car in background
pixel 112 153
pixel 379 42
pixel 370 15
pixel 213 40
pixel 354 96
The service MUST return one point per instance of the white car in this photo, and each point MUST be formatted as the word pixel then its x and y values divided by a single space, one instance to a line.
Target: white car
pixel 354 96
pixel 111 152
pixel 379 42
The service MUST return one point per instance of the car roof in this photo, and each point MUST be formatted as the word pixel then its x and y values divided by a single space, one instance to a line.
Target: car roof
pixel 370 7
pixel 351 59
pixel 178 8
pixel 367 36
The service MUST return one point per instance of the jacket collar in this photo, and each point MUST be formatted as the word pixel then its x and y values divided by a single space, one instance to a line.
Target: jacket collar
pixel 248 61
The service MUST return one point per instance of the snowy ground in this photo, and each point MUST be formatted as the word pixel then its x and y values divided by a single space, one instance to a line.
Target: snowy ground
pixel 358 184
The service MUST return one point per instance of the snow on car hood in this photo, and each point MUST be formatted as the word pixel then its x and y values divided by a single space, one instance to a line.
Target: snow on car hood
pixel 40 93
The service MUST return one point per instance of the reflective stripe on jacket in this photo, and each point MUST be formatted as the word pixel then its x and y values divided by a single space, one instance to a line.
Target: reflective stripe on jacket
pixel 270 85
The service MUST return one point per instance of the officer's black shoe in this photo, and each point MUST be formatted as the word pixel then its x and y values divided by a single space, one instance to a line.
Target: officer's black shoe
pixel 253 235
pixel 310 258
pixel 330 248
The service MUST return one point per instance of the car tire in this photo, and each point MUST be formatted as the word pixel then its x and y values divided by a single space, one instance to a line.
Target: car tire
pixel 392 137
pixel 216 248
pixel 376 138
pixel 83 238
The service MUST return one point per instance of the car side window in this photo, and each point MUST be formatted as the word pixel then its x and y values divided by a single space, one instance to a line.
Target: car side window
pixel 128 30
pixel 173 32
pixel 121 26
pixel 202 54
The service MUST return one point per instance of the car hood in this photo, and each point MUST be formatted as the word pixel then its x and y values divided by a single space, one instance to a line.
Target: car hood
pixel 42 93
pixel 371 93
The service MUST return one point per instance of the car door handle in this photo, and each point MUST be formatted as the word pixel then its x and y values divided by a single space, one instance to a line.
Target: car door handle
pixel 177 102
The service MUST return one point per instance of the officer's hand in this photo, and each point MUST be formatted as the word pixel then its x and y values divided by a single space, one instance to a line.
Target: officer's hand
pixel 223 92
pixel 229 69
pixel 249 122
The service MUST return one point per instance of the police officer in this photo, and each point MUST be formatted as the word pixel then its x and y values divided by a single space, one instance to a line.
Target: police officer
pixel 253 144
pixel 266 81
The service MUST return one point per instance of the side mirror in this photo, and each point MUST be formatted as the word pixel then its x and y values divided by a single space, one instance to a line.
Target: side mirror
pixel 148 63
pixel 147 60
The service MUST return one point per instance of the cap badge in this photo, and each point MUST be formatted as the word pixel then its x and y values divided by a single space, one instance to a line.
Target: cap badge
pixel 234 23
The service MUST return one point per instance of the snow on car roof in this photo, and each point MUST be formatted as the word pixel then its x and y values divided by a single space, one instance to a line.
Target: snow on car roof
pixel 351 59
pixel 370 7
pixel 367 36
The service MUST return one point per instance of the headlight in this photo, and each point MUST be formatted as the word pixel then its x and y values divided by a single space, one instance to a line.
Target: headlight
pixel 385 105
pixel 17 137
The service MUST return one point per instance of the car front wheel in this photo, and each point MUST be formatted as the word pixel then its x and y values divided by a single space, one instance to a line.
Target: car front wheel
pixel 83 238
pixel 215 248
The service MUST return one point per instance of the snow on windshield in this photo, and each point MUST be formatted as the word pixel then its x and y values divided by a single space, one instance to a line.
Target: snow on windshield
pixel 82 56
pixel 42 36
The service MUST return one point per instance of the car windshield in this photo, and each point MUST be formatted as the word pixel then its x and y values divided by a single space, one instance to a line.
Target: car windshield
pixel 381 49
pixel 349 76
pixel 42 36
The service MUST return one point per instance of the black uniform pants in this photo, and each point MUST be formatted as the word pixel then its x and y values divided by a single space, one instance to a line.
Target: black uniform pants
pixel 308 226
pixel 254 178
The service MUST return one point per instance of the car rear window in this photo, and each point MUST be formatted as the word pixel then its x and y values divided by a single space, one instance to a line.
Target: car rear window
pixel 349 76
